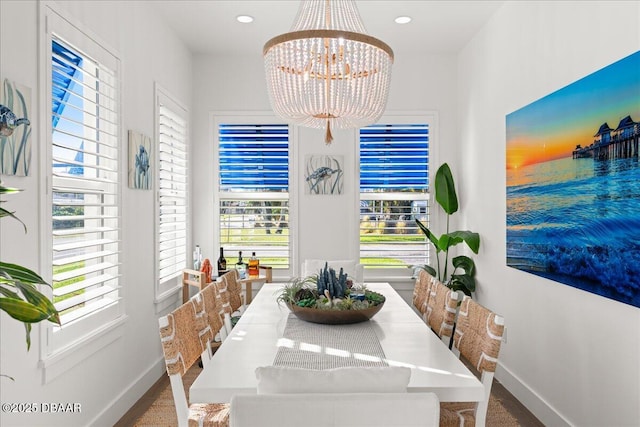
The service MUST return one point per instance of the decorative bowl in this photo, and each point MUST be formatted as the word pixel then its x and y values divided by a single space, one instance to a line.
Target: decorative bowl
pixel 334 317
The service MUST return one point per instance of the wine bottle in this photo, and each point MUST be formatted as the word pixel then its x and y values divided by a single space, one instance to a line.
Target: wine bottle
pixel 253 265
pixel 222 263
pixel 241 267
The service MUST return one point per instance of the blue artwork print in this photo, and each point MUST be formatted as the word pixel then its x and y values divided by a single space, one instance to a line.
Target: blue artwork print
pixel 15 129
pixel 139 161
pixel 573 184
pixel 324 175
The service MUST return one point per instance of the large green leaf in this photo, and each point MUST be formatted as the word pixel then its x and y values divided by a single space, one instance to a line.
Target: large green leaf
pixel 21 274
pixel 446 190
pixel 465 263
pixel 469 237
pixel 432 237
pixel 463 282
pixel 42 302
pixel 22 310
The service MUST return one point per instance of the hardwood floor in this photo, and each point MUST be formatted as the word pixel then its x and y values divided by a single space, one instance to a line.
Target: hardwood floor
pixel 144 403
pixel 522 414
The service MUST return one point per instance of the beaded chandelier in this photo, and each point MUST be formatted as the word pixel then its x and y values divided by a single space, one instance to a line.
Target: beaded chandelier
pixel 328 72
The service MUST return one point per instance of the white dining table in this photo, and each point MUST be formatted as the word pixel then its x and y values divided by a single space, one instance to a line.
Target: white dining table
pixel 404 337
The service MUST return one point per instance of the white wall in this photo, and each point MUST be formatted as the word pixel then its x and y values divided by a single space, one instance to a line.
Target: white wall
pixel 571 356
pixel 106 383
pixel 327 225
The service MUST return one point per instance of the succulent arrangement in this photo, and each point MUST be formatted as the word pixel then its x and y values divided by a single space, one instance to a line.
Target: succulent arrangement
pixel 329 290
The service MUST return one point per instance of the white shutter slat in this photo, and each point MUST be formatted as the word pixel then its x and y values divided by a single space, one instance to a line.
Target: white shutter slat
pixel 85 182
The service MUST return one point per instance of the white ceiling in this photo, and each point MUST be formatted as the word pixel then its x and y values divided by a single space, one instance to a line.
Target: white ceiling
pixel 209 26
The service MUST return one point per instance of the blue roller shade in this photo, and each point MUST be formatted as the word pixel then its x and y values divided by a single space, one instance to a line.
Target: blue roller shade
pixel 254 157
pixel 394 158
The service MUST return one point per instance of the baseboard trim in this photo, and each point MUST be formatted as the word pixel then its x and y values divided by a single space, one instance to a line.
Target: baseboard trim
pixel 125 400
pixel 539 407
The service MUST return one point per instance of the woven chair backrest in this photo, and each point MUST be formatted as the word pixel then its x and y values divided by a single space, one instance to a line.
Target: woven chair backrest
pixel 421 291
pixel 442 305
pixel 185 337
pixel 478 335
pixel 212 307
pixel 223 294
pixel 234 288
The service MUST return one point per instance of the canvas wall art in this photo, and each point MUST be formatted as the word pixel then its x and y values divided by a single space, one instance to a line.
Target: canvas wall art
pixel 573 184
pixel 139 161
pixel 324 174
pixel 15 137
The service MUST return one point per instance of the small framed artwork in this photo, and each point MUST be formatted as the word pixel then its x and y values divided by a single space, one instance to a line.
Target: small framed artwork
pixel 139 161
pixel 324 174
pixel 15 129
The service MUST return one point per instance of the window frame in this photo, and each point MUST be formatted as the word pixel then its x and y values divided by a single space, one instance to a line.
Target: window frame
pixel 254 118
pixel 164 290
pixel 98 329
pixel 430 118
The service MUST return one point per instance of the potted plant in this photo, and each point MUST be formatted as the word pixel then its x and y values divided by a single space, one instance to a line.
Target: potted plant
pixel 329 298
pixel 19 294
pixel 462 278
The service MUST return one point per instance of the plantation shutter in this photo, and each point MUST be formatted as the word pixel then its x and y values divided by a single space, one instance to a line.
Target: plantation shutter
pixel 254 192
pixel 85 184
pixel 394 183
pixel 173 190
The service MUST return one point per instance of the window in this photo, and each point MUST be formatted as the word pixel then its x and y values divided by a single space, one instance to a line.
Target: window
pixel 253 192
pixel 172 188
pixel 84 182
pixel 394 183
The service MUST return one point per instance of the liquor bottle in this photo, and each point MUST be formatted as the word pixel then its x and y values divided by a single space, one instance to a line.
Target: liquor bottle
pixel 253 265
pixel 241 267
pixel 222 263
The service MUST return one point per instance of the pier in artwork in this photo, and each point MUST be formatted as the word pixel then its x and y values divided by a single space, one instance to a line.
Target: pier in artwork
pixel 618 143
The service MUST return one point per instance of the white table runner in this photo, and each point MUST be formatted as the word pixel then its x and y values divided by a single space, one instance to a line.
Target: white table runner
pixel 315 346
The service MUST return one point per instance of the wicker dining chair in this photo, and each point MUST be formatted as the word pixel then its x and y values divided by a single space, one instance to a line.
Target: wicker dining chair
pixel 421 291
pixel 212 308
pixel 442 306
pixel 185 336
pixel 225 303
pixel 477 338
pixel 236 294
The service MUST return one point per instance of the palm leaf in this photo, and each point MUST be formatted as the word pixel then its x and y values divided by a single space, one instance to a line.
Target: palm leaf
pixel 432 237
pixel 22 310
pixel 446 190
pixel 39 300
pixel 470 238
pixel 21 274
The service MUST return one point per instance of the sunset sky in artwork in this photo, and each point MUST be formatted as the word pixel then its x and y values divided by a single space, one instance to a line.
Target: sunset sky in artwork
pixel 551 127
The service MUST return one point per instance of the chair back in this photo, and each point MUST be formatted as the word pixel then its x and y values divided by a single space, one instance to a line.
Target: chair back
pixel 234 289
pixel 478 335
pixel 477 338
pixel 335 409
pixel 213 307
pixel 185 335
pixel 440 314
pixel 421 291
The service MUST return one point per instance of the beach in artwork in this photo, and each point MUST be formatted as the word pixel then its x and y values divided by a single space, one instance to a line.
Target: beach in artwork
pixel 573 184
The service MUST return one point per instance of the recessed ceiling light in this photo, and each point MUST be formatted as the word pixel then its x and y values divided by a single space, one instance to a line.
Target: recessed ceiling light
pixel 245 19
pixel 403 19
